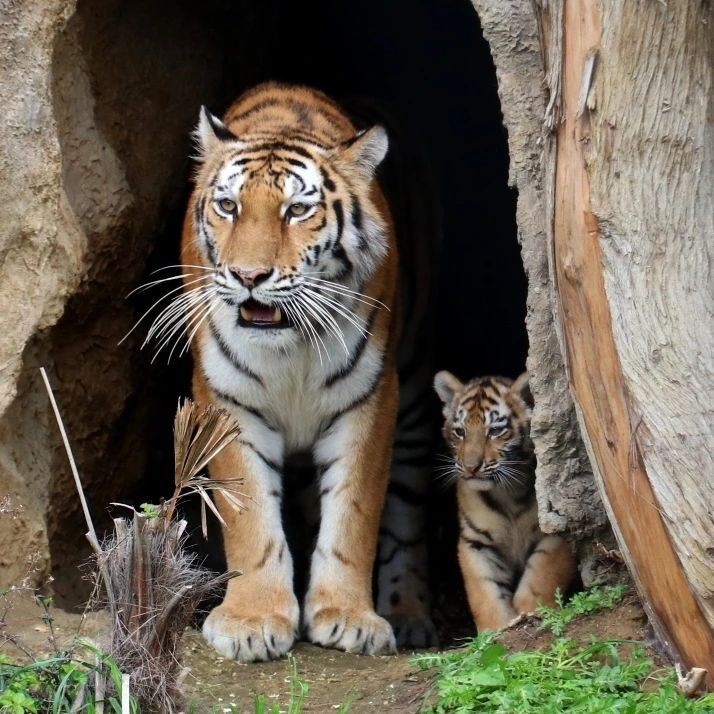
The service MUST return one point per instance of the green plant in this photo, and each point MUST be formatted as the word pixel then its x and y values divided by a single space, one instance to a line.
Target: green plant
pixel 586 602
pixel 57 684
pixel 604 676
pixel 149 510
pixel 298 691
pixel 347 704
pixel 299 688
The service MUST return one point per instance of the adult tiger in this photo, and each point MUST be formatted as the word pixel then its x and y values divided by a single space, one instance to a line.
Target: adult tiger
pixel 290 279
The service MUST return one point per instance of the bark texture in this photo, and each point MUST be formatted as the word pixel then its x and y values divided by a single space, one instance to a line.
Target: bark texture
pixel 656 219
pixel 630 202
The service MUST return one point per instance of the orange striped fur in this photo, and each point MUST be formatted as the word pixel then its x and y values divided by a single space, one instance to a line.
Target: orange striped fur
pixel 285 200
pixel 508 564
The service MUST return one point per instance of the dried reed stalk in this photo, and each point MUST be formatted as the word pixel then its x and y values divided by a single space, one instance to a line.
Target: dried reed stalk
pixel 158 585
pixel 151 583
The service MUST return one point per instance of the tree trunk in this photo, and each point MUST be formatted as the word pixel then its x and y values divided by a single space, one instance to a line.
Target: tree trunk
pixel 631 231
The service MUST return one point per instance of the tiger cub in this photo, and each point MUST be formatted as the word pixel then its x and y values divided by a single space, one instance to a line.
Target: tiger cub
pixel 508 564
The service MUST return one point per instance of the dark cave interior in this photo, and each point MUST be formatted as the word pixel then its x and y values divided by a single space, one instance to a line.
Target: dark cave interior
pixel 425 66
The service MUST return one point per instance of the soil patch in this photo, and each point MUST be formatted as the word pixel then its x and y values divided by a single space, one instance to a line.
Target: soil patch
pixel 333 678
pixel 624 621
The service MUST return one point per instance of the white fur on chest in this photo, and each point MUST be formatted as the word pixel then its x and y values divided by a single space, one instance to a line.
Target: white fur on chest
pixel 292 387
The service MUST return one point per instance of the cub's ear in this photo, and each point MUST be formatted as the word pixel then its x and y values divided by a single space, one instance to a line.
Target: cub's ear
pixel 522 388
pixel 210 132
pixel 446 386
pixel 366 151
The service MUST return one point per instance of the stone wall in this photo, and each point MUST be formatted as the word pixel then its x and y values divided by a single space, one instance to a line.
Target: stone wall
pixel 93 157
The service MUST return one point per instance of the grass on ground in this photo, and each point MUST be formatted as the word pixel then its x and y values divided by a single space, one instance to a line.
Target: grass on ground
pixel 599 676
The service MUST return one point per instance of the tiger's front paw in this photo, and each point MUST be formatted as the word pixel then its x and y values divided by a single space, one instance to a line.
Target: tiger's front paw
pixel 362 632
pixel 248 637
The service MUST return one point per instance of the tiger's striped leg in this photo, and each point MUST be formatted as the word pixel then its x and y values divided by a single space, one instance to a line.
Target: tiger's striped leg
pixel 488 579
pixel 402 587
pixel 353 458
pixel 402 584
pixel 259 616
pixel 550 566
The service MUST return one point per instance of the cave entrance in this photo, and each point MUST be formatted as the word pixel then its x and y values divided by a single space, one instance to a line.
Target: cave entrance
pixel 147 69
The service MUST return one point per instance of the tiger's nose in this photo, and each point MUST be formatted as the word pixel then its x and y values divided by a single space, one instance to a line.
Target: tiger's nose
pixel 250 277
pixel 474 466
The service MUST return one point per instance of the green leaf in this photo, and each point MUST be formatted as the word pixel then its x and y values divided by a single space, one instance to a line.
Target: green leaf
pixel 149 510
pixel 491 677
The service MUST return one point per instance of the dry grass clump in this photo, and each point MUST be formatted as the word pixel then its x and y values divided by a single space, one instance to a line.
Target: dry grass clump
pixel 153 586
pixel 149 583
pixel 156 587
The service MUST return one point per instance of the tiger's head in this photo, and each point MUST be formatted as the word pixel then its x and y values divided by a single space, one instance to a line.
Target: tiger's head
pixel 487 428
pixel 288 223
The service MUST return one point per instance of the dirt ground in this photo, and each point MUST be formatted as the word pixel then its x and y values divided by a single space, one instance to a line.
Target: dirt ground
pixel 384 684
pixel 334 678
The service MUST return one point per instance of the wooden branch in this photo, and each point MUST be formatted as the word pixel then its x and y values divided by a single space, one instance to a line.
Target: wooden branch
pixel 597 382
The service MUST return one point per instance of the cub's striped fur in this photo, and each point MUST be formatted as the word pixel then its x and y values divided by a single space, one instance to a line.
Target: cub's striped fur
pixel 290 278
pixel 508 564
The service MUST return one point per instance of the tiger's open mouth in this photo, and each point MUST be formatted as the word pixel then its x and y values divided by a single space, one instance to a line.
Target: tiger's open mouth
pixel 256 314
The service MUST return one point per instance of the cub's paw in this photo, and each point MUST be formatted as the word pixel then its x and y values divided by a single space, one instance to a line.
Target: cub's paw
pixel 249 638
pixel 413 631
pixel 526 602
pixel 362 632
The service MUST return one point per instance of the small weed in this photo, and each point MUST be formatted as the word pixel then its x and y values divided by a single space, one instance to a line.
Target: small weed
pixel 596 598
pixel 149 510
pixel 299 688
pixel 298 691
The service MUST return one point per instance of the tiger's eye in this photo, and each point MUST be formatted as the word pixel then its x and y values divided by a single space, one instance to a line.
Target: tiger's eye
pixel 227 205
pixel 295 210
pixel 459 432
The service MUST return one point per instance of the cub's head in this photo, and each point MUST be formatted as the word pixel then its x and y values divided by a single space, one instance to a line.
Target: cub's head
pixel 487 428
pixel 287 224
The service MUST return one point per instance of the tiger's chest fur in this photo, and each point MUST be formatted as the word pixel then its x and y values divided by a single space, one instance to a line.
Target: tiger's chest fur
pixel 297 395
pixel 495 520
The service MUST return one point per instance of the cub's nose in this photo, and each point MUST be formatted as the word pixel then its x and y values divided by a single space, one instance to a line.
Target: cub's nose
pixel 250 277
pixel 474 466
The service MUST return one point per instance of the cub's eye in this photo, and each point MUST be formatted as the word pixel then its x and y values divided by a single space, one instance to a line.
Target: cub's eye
pixel 459 432
pixel 227 205
pixel 496 431
pixel 295 210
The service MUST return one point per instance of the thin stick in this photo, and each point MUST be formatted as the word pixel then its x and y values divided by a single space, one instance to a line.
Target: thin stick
pixel 125 694
pixel 91 533
pixel 72 463
pixel 99 686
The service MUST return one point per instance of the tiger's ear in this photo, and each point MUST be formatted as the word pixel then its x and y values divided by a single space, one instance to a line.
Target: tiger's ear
pixel 365 151
pixel 522 388
pixel 446 386
pixel 210 132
